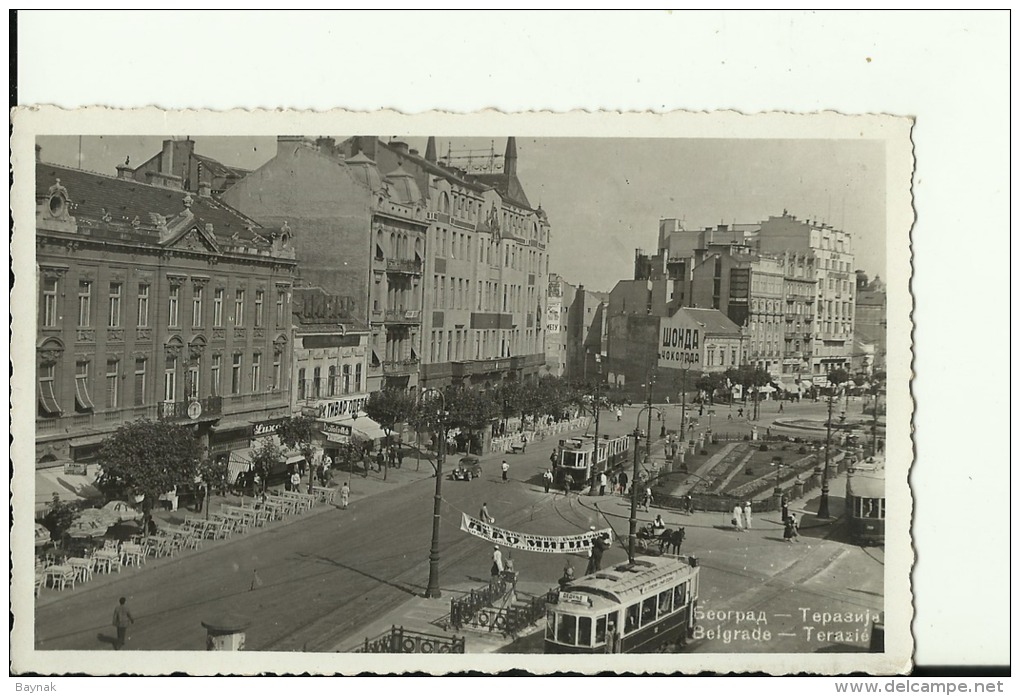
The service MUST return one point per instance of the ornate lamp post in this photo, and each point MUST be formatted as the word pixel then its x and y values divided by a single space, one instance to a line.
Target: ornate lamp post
pixel 432 591
pixel 633 495
pixel 823 501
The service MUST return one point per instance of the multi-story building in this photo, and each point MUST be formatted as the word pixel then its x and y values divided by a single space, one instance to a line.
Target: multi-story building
pixel 558 293
pixel 485 267
pixel 827 254
pixel 870 322
pixel 155 303
pixel 363 238
pixel 575 329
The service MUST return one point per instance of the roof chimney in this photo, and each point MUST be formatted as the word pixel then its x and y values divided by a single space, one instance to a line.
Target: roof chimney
pixel 204 189
pixel 430 149
pixel 399 146
pixel 125 171
pixel 325 143
pixel 166 161
pixel 366 143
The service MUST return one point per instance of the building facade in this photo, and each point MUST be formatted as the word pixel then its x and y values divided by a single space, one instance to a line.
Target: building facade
pixel 155 303
pixel 485 267
pixel 363 241
pixel 178 165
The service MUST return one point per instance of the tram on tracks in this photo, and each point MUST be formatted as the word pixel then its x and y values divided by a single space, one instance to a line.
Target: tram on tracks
pixel 865 502
pixel 575 458
pixel 641 607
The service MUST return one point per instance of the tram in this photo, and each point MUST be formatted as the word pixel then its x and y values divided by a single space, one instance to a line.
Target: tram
pixel 643 607
pixel 865 501
pixel 574 458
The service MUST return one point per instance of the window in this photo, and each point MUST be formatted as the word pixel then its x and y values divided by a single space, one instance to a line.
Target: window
pixel 235 375
pixel 239 308
pixel 116 290
pixel 584 630
pixel 82 399
pixel 84 303
pixel 665 602
pixel 600 629
pixel 196 305
pixel 112 375
pixel 279 307
pixel 217 307
pixel 260 296
pixel 143 304
pixel 277 374
pixel 214 374
pixel 49 302
pixel 48 405
pixel 191 383
pixel 680 596
pixel 140 364
pixel 357 377
pixel 174 305
pixel 648 611
pixel 566 628
pixel 347 379
pixel 631 622
pixel 170 380
pixel 301 384
pixel 331 381
pixel 316 379
pixel 256 372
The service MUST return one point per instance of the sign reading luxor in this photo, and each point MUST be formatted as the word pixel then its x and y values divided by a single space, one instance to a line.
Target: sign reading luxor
pixel 532 542
pixel 679 342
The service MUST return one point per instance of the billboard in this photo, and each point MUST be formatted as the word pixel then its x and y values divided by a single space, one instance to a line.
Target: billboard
pixel 552 316
pixel 680 342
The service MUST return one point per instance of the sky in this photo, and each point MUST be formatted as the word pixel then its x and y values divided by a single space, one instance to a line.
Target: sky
pixel 605 196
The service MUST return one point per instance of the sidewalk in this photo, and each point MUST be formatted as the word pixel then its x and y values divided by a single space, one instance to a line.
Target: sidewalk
pixel 361 488
pixel 432 616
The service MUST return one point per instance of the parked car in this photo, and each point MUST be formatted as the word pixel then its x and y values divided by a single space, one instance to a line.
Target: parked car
pixel 469 467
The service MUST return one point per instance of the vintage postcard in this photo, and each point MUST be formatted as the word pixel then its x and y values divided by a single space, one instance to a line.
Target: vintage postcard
pixel 351 392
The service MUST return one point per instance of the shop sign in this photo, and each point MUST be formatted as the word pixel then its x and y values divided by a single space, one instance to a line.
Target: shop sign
pixel 76 469
pixel 263 428
pixel 336 429
pixel 331 409
pixel 679 342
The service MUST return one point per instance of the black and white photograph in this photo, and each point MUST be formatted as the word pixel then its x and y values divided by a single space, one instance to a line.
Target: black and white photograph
pixel 497 343
pixel 472 395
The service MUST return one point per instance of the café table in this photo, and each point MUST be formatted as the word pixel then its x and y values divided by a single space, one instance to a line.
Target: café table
pixel 61 574
pixel 83 567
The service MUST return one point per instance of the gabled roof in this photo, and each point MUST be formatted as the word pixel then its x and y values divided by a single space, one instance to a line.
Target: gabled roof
pixel 116 201
pixel 217 168
pixel 714 320
pixel 508 185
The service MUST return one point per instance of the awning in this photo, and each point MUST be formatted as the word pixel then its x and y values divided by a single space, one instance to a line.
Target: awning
pixel 47 399
pixel 227 425
pixel 67 486
pixel 81 394
pixel 362 426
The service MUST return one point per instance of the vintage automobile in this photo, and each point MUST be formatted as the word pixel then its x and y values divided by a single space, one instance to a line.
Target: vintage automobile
pixel 469 467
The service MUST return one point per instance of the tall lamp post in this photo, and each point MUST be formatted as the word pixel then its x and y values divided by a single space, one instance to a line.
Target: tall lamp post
pixel 432 591
pixel 823 501
pixel 648 440
pixel 637 435
pixel 596 409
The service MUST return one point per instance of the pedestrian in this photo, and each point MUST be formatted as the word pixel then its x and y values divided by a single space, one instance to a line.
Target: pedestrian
pixel 380 460
pixel 648 499
pixel 729 416
pixel 400 458
pixel 613 482
pixel 552 458
pixel 295 481
pixel 667 399
pixel 701 410
pixel 780 406
pixel 785 506
pixel 547 479
pixel 506 470
pixel 524 443
pixel 740 412
pixel 747 515
pixel 623 483
pixel 345 495
pixel 619 414
pixel 122 618
pixel 199 497
pixel 484 515
pixel 768 433
pixel 567 577
pixel 591 555
pixel 603 482
pixel 738 518
pixel 497 563
pixel 689 500
pixel 790 529
pixel 567 480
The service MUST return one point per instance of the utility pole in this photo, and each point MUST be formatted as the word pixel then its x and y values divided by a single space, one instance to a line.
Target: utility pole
pixel 648 438
pixel 597 407
pixel 823 501
pixel 633 496
pixel 683 412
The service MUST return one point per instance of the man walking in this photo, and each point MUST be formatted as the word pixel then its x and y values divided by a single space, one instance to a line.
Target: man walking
pixel 345 495
pixel 547 479
pixel 121 619
pixel 623 483
pixel 602 483
pixel 484 515
pixel 506 470
pixel 747 515
pixel 497 563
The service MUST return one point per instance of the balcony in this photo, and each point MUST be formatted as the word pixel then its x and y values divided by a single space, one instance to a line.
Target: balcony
pixel 190 410
pixel 403 316
pixel 408 266
pixel 400 367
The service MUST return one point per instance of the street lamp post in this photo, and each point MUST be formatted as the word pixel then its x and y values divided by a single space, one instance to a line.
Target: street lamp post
pixel 597 408
pixel 633 495
pixel 823 501
pixel 432 591
pixel 648 439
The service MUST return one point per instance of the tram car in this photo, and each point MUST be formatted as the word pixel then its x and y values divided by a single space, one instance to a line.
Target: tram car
pixel 574 458
pixel 865 502
pixel 641 607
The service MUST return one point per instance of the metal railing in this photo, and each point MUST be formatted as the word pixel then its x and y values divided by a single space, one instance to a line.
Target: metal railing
pixel 401 640
pixel 178 410
pixel 462 609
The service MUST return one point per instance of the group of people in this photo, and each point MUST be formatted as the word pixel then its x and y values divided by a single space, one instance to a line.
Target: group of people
pixel 741 519
pixel 391 455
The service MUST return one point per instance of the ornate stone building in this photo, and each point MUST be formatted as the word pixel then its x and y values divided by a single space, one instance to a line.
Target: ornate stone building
pixel 155 303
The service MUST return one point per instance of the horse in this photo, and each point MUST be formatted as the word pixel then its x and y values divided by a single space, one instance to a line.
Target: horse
pixel 672 539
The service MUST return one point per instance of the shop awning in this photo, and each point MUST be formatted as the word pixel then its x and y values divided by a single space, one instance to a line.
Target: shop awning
pixel 362 426
pixel 228 425
pixel 68 486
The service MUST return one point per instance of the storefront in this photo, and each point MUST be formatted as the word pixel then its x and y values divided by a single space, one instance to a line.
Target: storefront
pixel 234 442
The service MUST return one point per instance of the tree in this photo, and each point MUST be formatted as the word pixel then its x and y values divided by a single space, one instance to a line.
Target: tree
pixel 59 517
pixel 470 410
pixel 264 457
pixel 299 432
pixel 752 378
pixel 148 458
pixel 389 407
pixel 710 383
